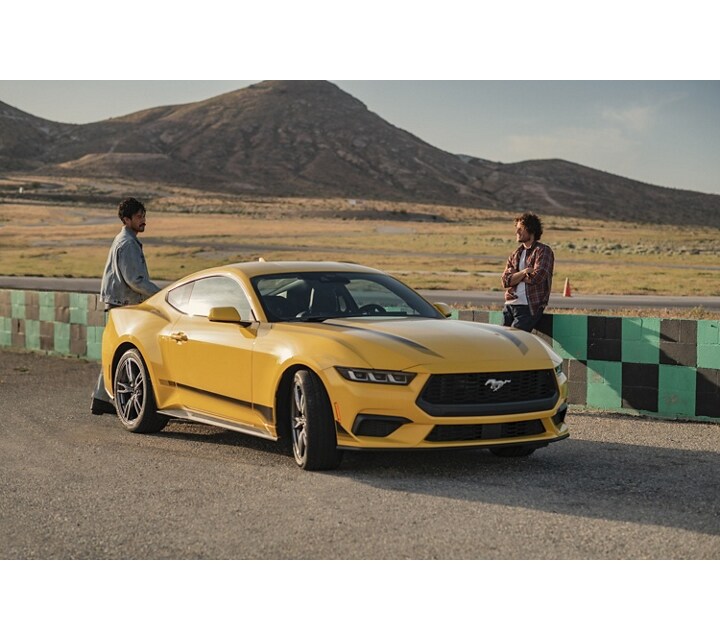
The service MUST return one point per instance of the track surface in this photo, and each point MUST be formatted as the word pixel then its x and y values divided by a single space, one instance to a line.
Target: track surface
pixel 73 485
pixel 469 298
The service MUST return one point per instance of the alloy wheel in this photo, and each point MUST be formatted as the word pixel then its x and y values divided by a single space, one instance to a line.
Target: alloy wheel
pixel 298 417
pixel 130 391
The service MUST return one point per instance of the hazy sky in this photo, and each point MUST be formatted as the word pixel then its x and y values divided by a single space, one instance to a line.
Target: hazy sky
pixel 661 132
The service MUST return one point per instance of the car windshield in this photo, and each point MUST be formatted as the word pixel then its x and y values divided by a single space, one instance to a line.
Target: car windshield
pixel 319 296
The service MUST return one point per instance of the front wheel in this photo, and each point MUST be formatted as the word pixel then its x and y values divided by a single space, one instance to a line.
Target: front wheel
pixel 134 398
pixel 312 424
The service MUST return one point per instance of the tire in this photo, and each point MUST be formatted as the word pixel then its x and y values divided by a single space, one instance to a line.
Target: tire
pixel 516 451
pixel 312 425
pixel 134 397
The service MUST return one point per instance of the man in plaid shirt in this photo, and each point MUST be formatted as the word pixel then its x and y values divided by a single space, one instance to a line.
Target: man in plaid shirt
pixel 528 275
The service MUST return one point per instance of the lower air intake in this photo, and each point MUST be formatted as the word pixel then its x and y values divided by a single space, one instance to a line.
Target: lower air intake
pixel 377 426
pixel 468 432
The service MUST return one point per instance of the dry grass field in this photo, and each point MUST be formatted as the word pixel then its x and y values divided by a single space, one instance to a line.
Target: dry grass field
pixel 424 245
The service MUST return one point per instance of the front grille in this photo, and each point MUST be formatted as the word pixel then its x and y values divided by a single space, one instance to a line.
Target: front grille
pixel 466 432
pixel 476 388
pixel 465 394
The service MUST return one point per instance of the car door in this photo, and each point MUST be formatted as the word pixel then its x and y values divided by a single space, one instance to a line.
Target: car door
pixel 211 362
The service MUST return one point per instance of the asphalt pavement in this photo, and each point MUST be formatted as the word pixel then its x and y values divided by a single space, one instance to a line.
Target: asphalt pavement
pixel 78 486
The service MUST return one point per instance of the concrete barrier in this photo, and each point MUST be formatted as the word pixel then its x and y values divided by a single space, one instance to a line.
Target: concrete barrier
pixel 668 368
pixel 56 322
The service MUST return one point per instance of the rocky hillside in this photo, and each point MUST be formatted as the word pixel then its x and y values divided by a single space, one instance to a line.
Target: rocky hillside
pixel 25 140
pixel 300 138
pixel 561 187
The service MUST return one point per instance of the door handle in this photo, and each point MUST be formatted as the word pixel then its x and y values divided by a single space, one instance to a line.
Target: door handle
pixel 179 336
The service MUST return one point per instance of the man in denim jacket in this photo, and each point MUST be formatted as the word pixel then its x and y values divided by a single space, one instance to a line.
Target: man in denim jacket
pixel 125 279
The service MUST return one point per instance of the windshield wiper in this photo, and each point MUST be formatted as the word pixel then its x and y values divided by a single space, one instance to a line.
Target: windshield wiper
pixel 387 314
pixel 315 318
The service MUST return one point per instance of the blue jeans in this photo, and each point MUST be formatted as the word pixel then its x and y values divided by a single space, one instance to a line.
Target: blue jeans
pixel 519 316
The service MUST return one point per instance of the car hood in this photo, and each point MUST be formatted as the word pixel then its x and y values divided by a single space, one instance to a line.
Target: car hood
pixel 438 345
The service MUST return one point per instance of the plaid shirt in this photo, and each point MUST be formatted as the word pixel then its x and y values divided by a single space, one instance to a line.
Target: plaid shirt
pixel 541 260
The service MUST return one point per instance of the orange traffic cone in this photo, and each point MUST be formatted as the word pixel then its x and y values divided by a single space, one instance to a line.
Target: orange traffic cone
pixel 566 291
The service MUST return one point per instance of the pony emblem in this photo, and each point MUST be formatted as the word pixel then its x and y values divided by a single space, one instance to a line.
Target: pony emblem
pixel 496 385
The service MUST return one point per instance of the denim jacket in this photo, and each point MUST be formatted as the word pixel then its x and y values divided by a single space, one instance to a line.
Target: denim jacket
pixel 126 280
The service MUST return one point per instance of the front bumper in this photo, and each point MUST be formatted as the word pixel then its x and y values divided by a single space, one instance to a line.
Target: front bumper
pixel 377 416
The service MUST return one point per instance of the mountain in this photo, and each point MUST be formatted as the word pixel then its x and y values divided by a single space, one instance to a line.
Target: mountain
pixel 24 139
pixel 310 138
pixel 565 188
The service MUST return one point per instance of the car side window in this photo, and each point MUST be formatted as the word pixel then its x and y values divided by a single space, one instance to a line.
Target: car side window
pixel 180 297
pixel 216 291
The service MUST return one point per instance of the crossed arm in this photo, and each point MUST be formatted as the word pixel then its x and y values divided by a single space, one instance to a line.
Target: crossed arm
pixel 542 269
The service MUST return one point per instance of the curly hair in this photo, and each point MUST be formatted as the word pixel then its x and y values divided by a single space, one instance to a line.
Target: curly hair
pixel 532 223
pixel 129 207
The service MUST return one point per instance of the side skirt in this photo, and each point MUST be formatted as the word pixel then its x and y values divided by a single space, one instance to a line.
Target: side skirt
pixel 194 416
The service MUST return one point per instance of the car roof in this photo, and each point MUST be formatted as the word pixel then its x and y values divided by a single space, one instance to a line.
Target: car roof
pixel 261 268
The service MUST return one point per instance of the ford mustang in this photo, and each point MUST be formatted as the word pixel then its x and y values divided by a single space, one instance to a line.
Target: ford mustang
pixel 326 357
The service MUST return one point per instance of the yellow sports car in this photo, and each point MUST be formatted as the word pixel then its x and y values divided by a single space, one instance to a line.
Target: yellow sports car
pixel 326 357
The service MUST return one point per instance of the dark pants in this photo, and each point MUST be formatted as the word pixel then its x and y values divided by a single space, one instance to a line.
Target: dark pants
pixel 99 392
pixel 519 316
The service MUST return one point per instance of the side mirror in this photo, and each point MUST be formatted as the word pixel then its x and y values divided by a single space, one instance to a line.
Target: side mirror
pixel 225 314
pixel 444 309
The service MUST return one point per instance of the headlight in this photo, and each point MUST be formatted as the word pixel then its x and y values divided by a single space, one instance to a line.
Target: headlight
pixel 375 375
pixel 558 370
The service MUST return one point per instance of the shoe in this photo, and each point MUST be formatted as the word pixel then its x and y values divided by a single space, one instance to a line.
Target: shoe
pixel 98 407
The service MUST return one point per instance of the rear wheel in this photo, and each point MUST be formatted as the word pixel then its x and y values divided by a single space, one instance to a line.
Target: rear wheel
pixel 134 398
pixel 516 451
pixel 312 424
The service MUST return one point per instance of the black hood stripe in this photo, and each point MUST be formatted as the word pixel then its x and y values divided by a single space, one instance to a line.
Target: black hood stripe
pixel 389 336
pixel 508 335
